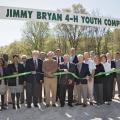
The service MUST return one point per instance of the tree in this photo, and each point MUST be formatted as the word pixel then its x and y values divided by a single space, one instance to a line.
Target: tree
pixel 72 33
pixel 35 34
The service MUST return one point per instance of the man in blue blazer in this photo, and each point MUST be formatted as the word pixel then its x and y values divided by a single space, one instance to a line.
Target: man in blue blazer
pixel 34 80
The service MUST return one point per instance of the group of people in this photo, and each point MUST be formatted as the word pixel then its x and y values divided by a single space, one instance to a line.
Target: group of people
pixel 42 87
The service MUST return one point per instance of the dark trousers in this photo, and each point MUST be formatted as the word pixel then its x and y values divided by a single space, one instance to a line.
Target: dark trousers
pixel 33 93
pixel 17 98
pixel 22 96
pixel 58 92
pixel 2 100
pixel 107 89
pixel 98 92
pixel 111 84
pixel 63 89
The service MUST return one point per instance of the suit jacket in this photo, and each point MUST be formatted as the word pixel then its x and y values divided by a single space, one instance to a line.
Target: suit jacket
pixel 61 60
pixel 99 79
pixel 63 79
pixel 31 67
pixel 75 60
pixel 4 74
pixel 11 70
pixel 113 65
pixel 82 73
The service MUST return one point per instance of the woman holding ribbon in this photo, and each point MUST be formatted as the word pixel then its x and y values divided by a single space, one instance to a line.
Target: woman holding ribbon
pixel 15 83
pixel 107 80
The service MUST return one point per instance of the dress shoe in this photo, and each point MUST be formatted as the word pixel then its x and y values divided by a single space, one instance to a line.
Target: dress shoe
pixel 91 103
pixel 18 106
pixel 28 106
pixel 84 105
pixel 14 107
pixel 70 105
pixel 47 105
pixel 108 103
pixel 54 105
pixel 36 106
pixel 62 105
pixel 78 104
pixel 4 107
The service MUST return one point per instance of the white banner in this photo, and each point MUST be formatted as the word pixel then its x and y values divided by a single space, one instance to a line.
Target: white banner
pixel 15 13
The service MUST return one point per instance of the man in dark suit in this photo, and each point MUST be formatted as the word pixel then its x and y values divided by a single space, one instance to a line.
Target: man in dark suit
pixel 73 56
pixel 66 81
pixel 74 59
pixel 34 80
pixel 58 57
pixel 59 60
pixel 81 84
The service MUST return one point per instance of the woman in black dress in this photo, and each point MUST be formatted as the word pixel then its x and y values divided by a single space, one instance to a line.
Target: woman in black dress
pixel 107 80
pixel 98 81
pixel 15 84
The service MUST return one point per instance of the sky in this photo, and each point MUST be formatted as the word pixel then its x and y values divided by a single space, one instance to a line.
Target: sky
pixel 11 30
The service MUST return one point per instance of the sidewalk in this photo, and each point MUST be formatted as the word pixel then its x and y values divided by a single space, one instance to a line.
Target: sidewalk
pixel 103 112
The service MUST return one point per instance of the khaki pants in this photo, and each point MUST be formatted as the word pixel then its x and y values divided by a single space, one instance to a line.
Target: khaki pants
pixel 50 85
pixel 82 91
pixel 79 92
pixel 90 89
pixel 75 94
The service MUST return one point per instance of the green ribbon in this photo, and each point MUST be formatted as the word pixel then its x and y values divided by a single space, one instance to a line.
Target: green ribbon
pixel 61 73
pixel 99 74
pixel 64 73
pixel 16 75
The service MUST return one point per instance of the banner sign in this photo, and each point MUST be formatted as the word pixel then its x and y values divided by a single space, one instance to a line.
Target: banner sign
pixel 14 13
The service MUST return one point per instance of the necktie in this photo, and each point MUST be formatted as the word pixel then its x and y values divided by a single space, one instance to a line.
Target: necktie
pixel 35 63
pixel 16 66
pixel 58 61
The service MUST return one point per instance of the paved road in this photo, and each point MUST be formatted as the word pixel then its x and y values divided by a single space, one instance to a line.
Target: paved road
pixel 103 112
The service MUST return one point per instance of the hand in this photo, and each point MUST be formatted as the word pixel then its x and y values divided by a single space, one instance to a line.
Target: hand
pixel 87 77
pixel 90 78
pixel 41 81
pixel 70 82
pixel 65 70
pixel 33 72
pixel 113 69
pixel 50 74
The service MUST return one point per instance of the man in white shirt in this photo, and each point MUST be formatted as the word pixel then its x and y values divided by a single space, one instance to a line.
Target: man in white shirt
pixel 92 71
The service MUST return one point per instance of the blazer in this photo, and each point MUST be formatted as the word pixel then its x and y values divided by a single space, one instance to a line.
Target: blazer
pixel 113 65
pixel 62 59
pixel 31 67
pixel 4 74
pixel 63 79
pixel 82 73
pixel 11 70
pixel 99 79
pixel 75 60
